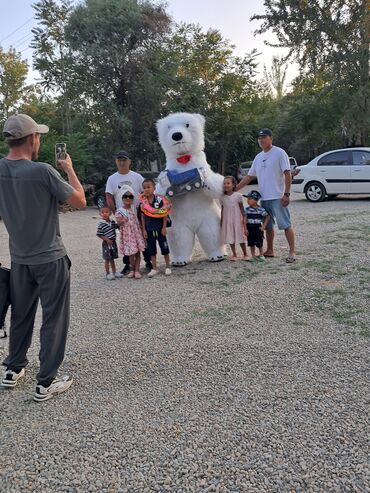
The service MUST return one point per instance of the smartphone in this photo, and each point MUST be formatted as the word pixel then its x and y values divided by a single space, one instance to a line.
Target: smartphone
pixel 60 151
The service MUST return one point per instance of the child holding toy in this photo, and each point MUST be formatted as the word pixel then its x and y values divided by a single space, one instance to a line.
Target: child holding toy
pixel 233 227
pixel 154 219
pixel 131 238
pixel 257 219
pixel 106 231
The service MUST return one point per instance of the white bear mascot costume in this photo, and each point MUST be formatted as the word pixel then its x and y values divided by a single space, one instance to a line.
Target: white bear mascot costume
pixel 195 209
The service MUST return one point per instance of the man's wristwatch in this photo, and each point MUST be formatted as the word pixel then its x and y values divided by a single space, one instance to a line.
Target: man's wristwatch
pixel 287 194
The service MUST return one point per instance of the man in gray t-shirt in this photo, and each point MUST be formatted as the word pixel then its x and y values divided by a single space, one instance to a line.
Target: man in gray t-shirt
pixel 29 195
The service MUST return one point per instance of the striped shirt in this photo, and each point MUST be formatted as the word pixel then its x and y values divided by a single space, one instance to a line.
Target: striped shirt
pixel 255 215
pixel 107 228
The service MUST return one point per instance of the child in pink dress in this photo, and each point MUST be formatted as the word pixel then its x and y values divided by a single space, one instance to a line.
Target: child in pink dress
pixel 132 241
pixel 233 225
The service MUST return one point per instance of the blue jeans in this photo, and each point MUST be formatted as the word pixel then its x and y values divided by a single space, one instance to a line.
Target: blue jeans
pixel 278 214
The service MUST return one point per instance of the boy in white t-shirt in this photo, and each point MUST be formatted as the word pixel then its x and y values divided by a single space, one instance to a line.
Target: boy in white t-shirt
pixel 122 178
pixel 272 168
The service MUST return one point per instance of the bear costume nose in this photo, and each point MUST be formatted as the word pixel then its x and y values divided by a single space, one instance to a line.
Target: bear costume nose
pixel 177 136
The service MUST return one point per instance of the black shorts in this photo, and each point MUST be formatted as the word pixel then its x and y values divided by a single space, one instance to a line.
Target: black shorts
pixel 255 235
pixel 110 252
pixel 153 237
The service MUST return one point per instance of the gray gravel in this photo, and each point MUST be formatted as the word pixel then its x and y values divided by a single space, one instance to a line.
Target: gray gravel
pixel 225 377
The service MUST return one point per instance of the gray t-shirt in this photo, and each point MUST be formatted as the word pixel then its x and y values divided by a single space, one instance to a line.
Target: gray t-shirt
pixel 29 195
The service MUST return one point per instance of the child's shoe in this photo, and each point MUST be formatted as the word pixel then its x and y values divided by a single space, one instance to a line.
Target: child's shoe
pixel 152 273
pixel 137 275
pixel 261 258
pixel 246 258
pixel 110 277
pixel 168 271
pixel 131 274
pixel 118 275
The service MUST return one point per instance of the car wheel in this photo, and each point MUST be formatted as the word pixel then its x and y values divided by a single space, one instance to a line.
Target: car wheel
pixel 315 192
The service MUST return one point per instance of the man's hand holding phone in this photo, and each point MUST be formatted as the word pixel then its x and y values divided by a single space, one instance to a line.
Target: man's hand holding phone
pixel 66 164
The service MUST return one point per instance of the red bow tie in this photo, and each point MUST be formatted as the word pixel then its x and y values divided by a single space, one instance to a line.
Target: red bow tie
pixel 184 159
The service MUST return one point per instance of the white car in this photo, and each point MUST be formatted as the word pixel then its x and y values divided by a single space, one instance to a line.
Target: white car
pixel 333 173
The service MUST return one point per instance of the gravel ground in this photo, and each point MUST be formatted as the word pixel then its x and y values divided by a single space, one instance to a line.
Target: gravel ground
pixel 226 377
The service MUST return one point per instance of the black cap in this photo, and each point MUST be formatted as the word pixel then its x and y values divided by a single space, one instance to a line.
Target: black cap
pixel 122 155
pixel 264 131
pixel 254 194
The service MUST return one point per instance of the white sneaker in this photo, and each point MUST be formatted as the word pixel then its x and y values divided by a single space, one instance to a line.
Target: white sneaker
pixel 118 275
pixel 168 271
pixel 10 378
pixel 152 273
pixel 57 386
pixel 111 277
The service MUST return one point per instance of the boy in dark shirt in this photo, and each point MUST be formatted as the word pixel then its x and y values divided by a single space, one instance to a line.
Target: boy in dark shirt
pixel 155 229
pixel 257 219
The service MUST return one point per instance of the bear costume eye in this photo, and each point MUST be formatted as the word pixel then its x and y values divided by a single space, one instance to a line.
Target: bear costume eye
pixel 187 125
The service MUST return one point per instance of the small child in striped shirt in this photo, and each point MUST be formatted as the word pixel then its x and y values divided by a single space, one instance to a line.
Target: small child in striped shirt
pixel 257 220
pixel 107 233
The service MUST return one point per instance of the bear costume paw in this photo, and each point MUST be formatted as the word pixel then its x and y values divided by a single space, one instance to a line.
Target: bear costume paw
pixel 179 264
pixel 217 259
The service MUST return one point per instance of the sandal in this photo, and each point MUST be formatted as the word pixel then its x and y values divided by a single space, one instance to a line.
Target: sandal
pixel 290 259
pixel 131 274
pixel 137 275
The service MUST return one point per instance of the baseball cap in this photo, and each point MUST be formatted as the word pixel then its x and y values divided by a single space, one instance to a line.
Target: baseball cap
pixel 20 125
pixel 122 155
pixel 254 194
pixel 264 131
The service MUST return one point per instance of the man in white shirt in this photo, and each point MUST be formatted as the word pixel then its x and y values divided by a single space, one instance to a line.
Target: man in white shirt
pixel 272 168
pixel 122 178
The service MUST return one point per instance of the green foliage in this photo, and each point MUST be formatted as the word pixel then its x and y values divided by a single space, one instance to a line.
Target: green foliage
pixel 330 37
pixel 51 56
pixel 276 76
pixel 3 149
pixel 117 49
pixel 110 68
pixel 13 73
pixel 210 80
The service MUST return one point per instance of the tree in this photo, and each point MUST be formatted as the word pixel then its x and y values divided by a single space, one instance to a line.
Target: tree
pixel 13 73
pixel 209 79
pixel 329 36
pixel 52 57
pixel 117 49
pixel 276 76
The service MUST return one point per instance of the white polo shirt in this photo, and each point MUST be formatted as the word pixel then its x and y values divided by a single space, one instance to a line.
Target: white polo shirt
pixel 269 168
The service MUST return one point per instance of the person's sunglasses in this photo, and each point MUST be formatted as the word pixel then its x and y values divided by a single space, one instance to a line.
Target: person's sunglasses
pixel 128 197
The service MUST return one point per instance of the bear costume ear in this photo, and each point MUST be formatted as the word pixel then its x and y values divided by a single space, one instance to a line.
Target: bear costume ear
pixel 200 118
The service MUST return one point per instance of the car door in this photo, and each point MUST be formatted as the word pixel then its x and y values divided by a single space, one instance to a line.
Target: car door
pixel 360 171
pixel 334 170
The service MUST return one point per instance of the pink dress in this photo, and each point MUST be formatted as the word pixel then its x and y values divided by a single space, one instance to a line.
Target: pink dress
pixel 131 238
pixel 232 227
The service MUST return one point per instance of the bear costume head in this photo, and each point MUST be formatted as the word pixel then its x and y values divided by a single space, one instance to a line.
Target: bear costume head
pixel 181 135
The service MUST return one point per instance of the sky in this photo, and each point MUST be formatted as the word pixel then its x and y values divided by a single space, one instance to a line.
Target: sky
pixel 230 17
